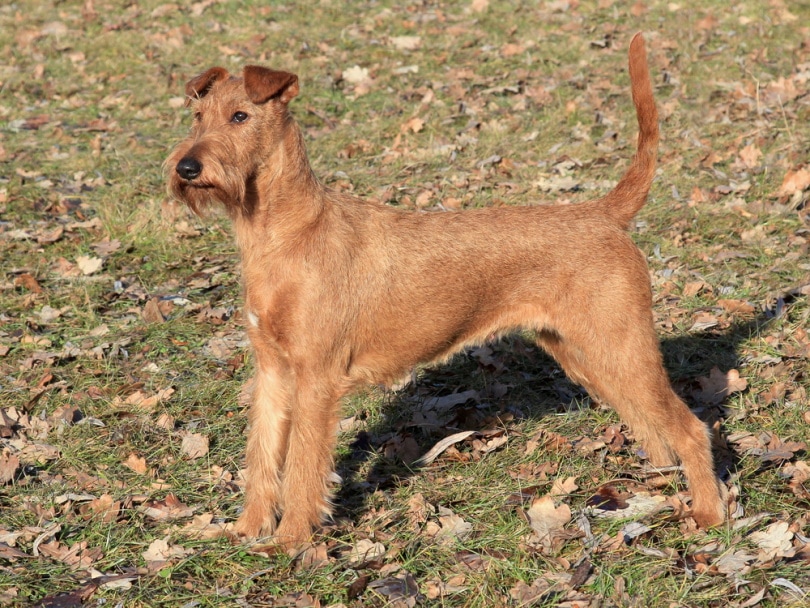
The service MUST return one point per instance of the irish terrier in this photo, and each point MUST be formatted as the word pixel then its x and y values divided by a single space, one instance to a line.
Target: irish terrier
pixel 340 291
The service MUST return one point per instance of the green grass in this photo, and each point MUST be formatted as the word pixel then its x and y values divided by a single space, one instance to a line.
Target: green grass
pixel 89 108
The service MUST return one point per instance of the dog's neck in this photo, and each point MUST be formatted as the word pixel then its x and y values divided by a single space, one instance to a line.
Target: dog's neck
pixel 283 197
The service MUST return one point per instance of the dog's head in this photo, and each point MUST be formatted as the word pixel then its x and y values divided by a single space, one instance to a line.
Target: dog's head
pixel 239 126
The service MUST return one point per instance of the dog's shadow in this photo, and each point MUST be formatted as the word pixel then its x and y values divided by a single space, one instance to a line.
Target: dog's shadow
pixel 534 386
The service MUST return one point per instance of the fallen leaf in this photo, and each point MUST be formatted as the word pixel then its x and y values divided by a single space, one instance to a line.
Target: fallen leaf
pixel 79 556
pixel 356 75
pixel 442 445
pixel 313 556
pixel 774 542
pixel 204 526
pixel 9 463
pixel 797 591
pixel 160 552
pixel 406 43
pixel 167 509
pixel 719 385
pixel 750 156
pixel 446 402
pixel 564 487
pixel 546 519
pixel 638 505
pixel 414 124
pixel 736 562
pixel 607 498
pixel 106 246
pixel 152 312
pixel 364 551
pixel 402 447
pixel 89 265
pixel 736 306
pixel 453 527
pixel 103 508
pixel 400 590
pixel 136 463
pixel 194 445
pixel 28 282
pixel 795 181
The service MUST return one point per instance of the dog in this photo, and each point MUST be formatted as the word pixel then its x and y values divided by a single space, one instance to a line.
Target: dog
pixel 340 292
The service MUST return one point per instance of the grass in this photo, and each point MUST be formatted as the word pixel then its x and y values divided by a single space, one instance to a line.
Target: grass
pixel 90 106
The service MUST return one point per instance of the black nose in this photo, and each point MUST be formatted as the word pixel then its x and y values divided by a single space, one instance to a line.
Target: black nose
pixel 189 168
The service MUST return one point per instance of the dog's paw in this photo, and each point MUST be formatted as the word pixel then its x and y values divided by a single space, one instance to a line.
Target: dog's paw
pixel 253 524
pixel 711 513
pixel 291 535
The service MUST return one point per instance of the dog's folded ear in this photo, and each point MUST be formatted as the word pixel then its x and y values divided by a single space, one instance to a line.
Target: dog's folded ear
pixel 199 86
pixel 264 84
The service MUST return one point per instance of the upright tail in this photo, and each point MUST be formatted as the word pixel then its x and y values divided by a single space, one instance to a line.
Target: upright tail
pixel 630 194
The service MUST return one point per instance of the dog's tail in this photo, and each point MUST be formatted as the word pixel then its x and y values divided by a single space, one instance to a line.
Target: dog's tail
pixel 630 194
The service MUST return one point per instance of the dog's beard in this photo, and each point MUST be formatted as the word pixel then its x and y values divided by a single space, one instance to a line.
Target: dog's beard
pixel 203 193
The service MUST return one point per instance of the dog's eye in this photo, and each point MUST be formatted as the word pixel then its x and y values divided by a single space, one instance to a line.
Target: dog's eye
pixel 239 117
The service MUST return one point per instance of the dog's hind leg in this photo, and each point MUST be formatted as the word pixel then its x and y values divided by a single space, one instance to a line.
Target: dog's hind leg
pixel 626 371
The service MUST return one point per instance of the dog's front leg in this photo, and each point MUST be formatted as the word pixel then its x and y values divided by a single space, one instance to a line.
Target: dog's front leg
pixel 309 459
pixel 266 445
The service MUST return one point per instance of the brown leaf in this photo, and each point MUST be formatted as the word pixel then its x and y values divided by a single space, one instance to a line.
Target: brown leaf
pixel 363 551
pixel 11 554
pixel 563 487
pixel 204 526
pixel 184 229
pixel 774 542
pixel 736 306
pixel 546 519
pixel 106 246
pixel 160 552
pixel 89 265
pixel 406 43
pixel 400 590
pixel 136 463
pixel 638 505
pixel 104 508
pixel 70 599
pixel 414 125
pixel 795 181
pixel 695 287
pixel 442 445
pixel 534 594
pixel 313 556
pixel 50 236
pixel 355 74
pixel 719 385
pixel 452 527
pixel 608 498
pixel 750 156
pixel 78 556
pixel 28 282
pixel 9 463
pixel 152 313
pixel 194 445
pixel 167 509
pixel 357 587
pixel 419 509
